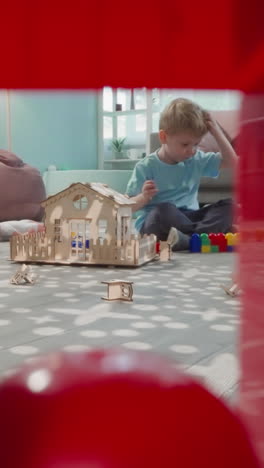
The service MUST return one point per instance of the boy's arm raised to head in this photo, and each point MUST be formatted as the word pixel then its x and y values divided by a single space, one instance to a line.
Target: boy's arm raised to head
pixel 229 156
pixel 149 189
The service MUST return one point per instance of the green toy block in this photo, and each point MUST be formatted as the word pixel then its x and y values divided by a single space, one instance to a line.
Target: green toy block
pixel 205 239
pixel 214 248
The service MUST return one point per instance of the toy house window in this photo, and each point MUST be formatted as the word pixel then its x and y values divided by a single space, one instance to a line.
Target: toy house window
pixel 102 230
pixel 80 202
pixel 57 230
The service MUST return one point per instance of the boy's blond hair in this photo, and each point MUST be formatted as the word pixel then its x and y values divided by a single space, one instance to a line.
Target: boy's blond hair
pixel 183 115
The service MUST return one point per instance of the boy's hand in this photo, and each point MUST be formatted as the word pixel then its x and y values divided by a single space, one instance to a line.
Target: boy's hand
pixel 228 155
pixel 149 189
pixel 211 124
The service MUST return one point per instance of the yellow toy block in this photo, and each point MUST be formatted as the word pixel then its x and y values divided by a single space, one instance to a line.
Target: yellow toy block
pixel 236 239
pixel 206 249
pixel 230 238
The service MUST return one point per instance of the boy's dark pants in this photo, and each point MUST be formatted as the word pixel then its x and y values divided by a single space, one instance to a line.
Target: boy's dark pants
pixel 217 217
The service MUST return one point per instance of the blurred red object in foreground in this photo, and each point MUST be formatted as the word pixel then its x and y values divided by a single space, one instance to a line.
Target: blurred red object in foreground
pixel 113 409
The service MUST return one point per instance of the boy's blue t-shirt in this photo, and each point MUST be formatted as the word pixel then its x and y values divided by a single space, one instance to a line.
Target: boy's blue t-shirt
pixel 176 183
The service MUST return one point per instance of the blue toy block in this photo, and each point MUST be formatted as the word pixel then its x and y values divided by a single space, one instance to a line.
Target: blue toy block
pixel 195 243
pixel 230 248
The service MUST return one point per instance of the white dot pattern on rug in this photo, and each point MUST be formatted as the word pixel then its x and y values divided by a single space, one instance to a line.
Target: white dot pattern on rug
pixel 63 294
pixel 24 350
pixel 47 331
pixel 3 323
pixel 145 307
pixel 184 349
pixel 233 302
pixel 220 327
pixel 160 318
pixel 143 325
pixel 177 325
pixel 137 345
pixel 93 333
pixel 21 310
pixel 125 333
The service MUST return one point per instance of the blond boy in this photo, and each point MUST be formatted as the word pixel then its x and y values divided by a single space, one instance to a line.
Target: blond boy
pixel 165 184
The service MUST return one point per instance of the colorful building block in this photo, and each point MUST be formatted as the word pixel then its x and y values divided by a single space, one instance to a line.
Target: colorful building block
pixel 230 238
pixel 214 248
pixel 221 242
pixel 195 243
pixel 213 238
pixel 205 239
pixel 215 242
pixel 236 239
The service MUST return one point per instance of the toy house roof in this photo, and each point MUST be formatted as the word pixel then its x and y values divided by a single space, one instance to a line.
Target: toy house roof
pixel 96 187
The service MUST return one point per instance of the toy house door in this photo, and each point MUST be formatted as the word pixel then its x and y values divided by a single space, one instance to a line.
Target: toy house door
pixel 79 239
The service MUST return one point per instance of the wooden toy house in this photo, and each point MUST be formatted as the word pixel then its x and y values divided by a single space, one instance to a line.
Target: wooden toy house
pixel 87 224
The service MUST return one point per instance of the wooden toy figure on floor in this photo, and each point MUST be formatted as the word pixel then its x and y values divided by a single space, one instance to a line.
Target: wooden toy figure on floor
pixel 23 275
pixel 165 247
pixel 119 290
pixel 86 224
pixel 234 289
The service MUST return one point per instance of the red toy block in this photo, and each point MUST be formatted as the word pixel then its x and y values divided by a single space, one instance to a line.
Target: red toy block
pixel 222 242
pixel 213 238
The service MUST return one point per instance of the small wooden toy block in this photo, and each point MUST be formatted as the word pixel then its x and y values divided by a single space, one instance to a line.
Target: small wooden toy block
pixel 232 291
pixel 87 224
pixel 119 290
pixel 23 275
pixel 164 251
pixel 164 248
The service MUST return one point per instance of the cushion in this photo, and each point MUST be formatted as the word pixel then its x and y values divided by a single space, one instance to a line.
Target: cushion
pixel 8 228
pixel 21 189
